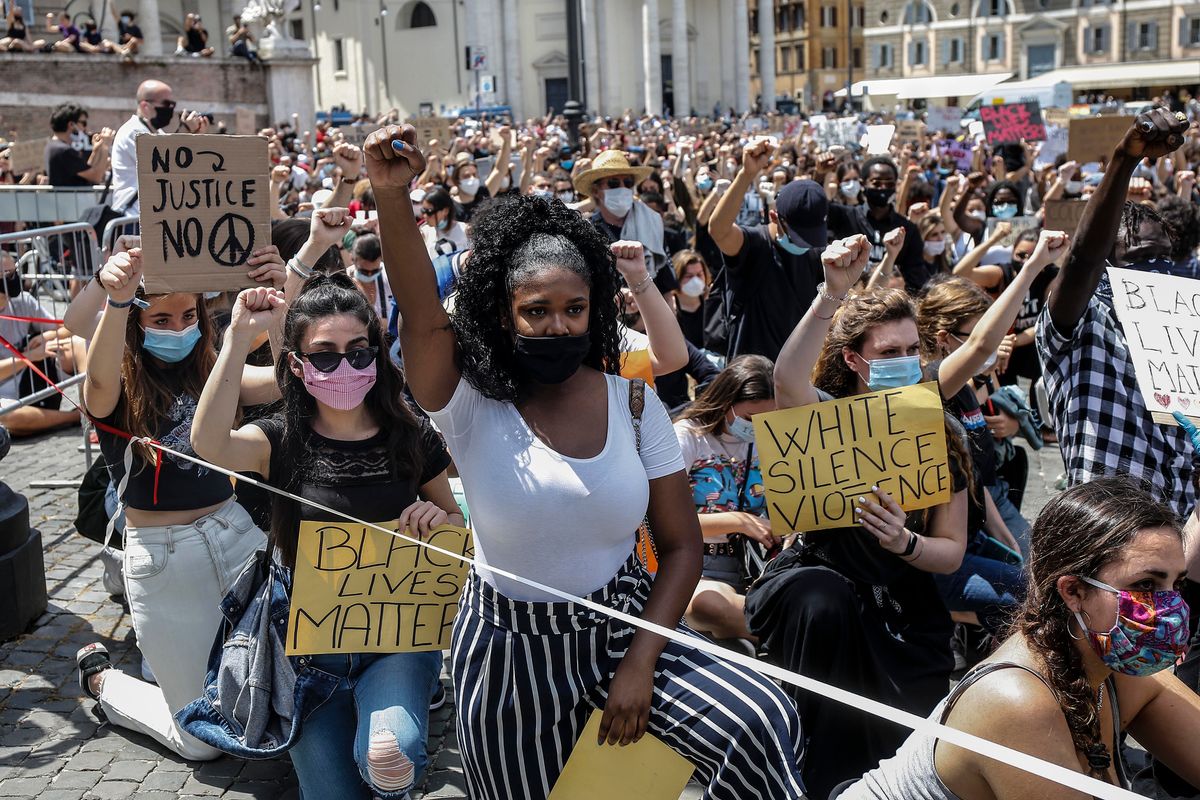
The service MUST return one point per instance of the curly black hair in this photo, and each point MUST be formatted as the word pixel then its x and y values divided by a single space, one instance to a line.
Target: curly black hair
pixel 998 187
pixel 482 317
pixel 1183 225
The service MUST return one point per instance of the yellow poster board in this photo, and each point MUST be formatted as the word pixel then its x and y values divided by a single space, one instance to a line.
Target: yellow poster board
pixel 818 459
pixel 636 364
pixel 646 770
pixel 358 590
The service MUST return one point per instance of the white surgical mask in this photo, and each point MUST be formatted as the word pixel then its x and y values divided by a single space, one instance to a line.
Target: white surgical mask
pixel 469 186
pixel 979 215
pixel 742 429
pixel 693 287
pixel 933 249
pixel 1073 187
pixel 567 197
pixel 851 188
pixel 618 201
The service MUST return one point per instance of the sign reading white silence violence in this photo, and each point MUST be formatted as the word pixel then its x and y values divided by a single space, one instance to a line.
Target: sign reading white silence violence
pixel 1161 318
pixel 816 459
pixel 205 206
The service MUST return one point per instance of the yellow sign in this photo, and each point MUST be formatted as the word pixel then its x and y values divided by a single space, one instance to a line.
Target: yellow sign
pixel 818 459
pixel 647 770
pixel 636 364
pixel 358 590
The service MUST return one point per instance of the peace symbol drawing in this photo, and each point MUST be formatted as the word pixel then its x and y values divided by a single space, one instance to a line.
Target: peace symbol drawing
pixel 231 240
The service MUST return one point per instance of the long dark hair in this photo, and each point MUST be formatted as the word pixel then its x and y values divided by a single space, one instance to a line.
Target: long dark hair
pixel 324 296
pixel 483 299
pixel 746 378
pixel 1078 533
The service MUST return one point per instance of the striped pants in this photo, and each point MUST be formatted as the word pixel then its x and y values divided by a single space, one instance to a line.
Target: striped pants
pixel 527 676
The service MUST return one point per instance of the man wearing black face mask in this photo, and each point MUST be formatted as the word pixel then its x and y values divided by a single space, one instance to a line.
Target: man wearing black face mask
pixel 65 165
pixel 877 217
pixel 155 110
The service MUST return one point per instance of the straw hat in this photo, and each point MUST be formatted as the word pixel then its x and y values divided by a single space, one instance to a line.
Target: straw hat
pixel 609 163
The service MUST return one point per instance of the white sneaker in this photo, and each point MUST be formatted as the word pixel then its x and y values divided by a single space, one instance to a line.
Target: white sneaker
pixel 114 571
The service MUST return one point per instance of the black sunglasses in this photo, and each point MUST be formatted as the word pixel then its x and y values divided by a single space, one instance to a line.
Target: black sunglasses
pixel 327 360
pixel 617 183
pixel 167 104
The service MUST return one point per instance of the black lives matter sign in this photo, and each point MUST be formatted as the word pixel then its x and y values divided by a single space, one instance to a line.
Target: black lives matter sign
pixel 205 208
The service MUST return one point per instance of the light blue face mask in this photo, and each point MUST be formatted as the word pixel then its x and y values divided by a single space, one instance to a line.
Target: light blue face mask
pixel 1004 210
pixel 894 373
pixel 741 429
pixel 545 194
pixel 443 224
pixel 210 296
pixel 704 184
pixel 171 346
pixel 364 277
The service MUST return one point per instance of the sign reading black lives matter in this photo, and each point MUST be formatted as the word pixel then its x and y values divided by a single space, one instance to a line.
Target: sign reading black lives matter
pixel 206 207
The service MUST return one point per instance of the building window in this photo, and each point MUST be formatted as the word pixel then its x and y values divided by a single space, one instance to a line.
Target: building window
pixel 857 55
pixel 754 20
pixel 1096 40
pixel 954 9
pixel 828 16
pixel 860 16
pixel 800 65
pixel 422 17
pixel 1190 32
pixel 339 55
pixel 829 58
pixel 918 13
pixel 993 8
pixel 785 59
pixel 883 16
pixel 1143 36
pixel 884 57
pixel 993 48
pixel 798 20
pixel 917 56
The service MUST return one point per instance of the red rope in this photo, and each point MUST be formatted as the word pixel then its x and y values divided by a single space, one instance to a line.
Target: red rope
pixel 40 320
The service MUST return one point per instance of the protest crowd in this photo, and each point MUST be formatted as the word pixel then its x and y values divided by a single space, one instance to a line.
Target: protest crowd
pixel 767 382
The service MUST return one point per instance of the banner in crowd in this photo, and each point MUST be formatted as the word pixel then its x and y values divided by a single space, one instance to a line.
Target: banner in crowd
pixel 1064 215
pixel 909 131
pixel 359 590
pixel 1095 138
pixel 1017 224
pixel 433 128
pixel 830 131
pixel 878 139
pixel 1013 122
pixel 959 151
pixel 28 156
pixel 1056 144
pixel 943 118
pixel 818 459
pixel 206 207
pixel 646 769
pixel 1161 317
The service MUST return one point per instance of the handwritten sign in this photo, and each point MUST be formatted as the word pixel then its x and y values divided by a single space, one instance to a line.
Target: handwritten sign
pixel 647 769
pixel 205 204
pixel 830 131
pixel 943 118
pixel 817 459
pixel 1056 144
pixel 1064 215
pixel 1013 122
pixel 359 590
pixel 1161 317
pixel 27 156
pixel 432 128
pixel 1018 225
pixel 959 151
pixel 909 130
pixel 1095 138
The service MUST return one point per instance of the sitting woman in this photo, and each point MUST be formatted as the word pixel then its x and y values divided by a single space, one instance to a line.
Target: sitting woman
pixel 717 440
pixel 858 606
pixel 1089 657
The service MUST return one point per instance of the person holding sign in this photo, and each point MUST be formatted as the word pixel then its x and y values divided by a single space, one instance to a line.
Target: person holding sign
pixel 1089 659
pixel 347 440
pixel 186 536
pixel 858 606
pixel 521 381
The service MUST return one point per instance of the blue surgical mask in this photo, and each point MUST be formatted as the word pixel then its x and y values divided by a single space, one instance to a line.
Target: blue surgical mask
pixel 741 429
pixel 894 373
pixel 944 171
pixel 443 224
pixel 171 346
pixel 704 184
pixel 364 277
pixel 567 165
pixel 1004 210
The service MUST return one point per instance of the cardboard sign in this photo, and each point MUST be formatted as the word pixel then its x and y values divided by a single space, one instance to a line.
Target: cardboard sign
pixel 817 459
pixel 909 130
pixel 1057 141
pixel 1013 122
pixel 1161 318
pixel 359 590
pixel 27 156
pixel 636 364
pixel 878 139
pixel 245 122
pixel 432 128
pixel 1018 224
pixel 1064 215
pixel 942 118
pixel 1057 116
pixel 646 770
pixel 1095 138
pixel 829 131
pixel 355 134
pixel 206 206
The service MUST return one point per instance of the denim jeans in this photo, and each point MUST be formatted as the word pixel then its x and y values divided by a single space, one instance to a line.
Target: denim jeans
pixel 348 746
pixel 988 586
pixel 1018 526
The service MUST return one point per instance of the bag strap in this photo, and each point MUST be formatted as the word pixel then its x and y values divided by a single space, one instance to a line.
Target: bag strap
pixel 637 404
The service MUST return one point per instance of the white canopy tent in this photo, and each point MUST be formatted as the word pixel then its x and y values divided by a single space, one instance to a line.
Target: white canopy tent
pixel 932 88
pixel 1122 76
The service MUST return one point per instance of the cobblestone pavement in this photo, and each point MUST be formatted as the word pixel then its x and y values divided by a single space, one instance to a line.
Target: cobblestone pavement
pixel 52 746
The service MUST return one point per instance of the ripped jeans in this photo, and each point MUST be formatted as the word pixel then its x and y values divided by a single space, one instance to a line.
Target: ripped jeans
pixel 368 739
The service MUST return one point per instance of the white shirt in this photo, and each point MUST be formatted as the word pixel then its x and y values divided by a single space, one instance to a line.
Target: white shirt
pixel 456 236
pixel 124 165
pixel 565 522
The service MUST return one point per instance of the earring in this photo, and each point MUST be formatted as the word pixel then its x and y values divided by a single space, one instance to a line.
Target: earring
pixel 1076 619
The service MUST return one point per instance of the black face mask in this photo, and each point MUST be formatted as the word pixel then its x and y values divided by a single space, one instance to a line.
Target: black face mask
pixel 551 359
pixel 878 198
pixel 12 284
pixel 162 116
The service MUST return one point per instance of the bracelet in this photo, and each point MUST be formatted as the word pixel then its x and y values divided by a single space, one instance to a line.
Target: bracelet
pixel 912 545
pixel 126 304
pixel 642 284
pixel 814 309
pixel 829 297
pixel 300 268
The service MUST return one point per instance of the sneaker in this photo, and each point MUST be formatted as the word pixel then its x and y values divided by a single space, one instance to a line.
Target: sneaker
pixel 439 697
pixel 91 659
pixel 147 674
pixel 114 571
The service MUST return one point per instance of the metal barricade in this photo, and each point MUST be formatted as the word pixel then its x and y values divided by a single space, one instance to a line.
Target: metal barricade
pixel 41 204
pixel 121 226
pixel 51 258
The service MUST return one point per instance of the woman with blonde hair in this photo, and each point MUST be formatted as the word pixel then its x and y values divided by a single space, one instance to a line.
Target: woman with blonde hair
pixel 936 244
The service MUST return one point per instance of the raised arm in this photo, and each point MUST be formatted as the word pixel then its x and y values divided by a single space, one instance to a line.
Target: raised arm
pixel 946 204
pixel 213 435
pixel 349 158
pixel 893 242
pixel 1065 173
pixel 965 223
pixel 968 266
pixel 965 362
pixel 502 165
pixel 1152 135
pixel 120 278
pixel 723 226
pixel 426 338
pixel 668 348
pixel 843 263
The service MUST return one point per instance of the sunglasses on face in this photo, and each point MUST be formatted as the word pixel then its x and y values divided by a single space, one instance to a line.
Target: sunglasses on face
pixel 617 183
pixel 166 104
pixel 328 361
pixel 429 212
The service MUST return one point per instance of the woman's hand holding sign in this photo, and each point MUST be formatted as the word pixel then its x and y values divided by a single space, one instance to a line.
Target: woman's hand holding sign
pixel 266 267
pixel 885 520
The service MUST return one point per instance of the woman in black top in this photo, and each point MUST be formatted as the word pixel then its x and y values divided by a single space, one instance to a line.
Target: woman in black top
pixel 694 281
pixel 345 439
pixel 17 36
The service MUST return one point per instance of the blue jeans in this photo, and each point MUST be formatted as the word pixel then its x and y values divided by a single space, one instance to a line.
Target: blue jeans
pixel 1018 526
pixel 368 739
pixel 988 586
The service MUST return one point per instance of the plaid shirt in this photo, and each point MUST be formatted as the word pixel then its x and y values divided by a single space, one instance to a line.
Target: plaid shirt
pixel 1103 425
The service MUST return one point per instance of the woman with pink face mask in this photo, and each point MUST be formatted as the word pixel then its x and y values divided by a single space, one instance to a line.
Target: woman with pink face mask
pixel 345 439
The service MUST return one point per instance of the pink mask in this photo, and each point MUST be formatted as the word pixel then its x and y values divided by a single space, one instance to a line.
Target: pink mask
pixel 344 388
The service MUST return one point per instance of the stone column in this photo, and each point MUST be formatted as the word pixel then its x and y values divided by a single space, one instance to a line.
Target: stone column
pixel 728 57
pixel 147 20
pixel 680 70
pixel 591 49
pixel 651 57
pixel 512 60
pixel 289 89
pixel 741 54
pixel 766 55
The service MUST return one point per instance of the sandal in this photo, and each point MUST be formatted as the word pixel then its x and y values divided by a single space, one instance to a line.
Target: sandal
pixel 91 659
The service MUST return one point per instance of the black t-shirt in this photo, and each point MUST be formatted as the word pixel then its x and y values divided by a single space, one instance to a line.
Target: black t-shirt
pixel 665 278
pixel 464 211
pixel 672 388
pixel 850 220
pixel 692 324
pixel 770 290
pixel 354 477
pixel 64 163
pixel 1024 361
pixel 130 31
